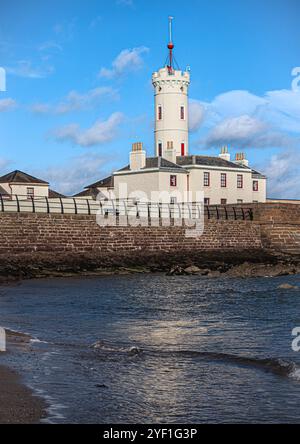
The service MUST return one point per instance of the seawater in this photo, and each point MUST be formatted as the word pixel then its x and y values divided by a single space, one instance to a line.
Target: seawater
pixel 158 349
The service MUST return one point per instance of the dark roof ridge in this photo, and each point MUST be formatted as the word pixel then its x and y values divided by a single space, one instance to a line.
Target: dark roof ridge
pixel 21 177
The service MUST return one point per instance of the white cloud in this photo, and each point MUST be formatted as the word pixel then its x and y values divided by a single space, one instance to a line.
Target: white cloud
pixel 128 60
pixel 247 132
pixel 73 177
pixel 4 163
pixel 75 101
pixel 236 103
pixel 7 104
pixel 235 129
pixel 283 110
pixel 24 68
pixel 40 108
pixel 50 45
pixel 196 115
pixel 248 120
pixel 97 134
pixel 283 172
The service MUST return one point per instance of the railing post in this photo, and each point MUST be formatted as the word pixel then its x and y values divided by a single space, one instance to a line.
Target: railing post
pixel 33 206
pixel 217 210
pixel 243 212
pixel 18 203
pixel 89 207
pixel 2 203
pixel 226 214
pixel 208 212
pixel 234 213
pixel 47 203
pixel 75 205
pixel 61 205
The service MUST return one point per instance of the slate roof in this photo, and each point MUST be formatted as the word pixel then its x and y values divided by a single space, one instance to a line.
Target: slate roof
pixel 55 194
pixel 207 161
pixel 157 162
pixel 257 174
pixel 20 177
pixel 84 193
pixel 103 183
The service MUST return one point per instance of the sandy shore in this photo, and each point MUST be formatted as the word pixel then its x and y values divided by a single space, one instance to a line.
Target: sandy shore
pixel 18 404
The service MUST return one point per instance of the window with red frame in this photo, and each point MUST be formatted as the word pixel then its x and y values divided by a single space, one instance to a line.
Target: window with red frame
pixel 240 181
pixel 223 180
pixel 182 112
pixel 159 113
pixel 173 180
pixel 182 149
pixel 206 179
pixel 255 185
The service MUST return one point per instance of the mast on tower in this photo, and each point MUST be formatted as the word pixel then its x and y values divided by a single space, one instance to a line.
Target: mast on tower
pixel 170 47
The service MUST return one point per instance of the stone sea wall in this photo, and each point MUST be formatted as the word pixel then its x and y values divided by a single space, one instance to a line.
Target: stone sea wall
pixel 31 242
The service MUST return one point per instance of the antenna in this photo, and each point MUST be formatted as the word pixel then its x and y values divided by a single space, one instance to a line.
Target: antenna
pixel 170 46
pixel 170 27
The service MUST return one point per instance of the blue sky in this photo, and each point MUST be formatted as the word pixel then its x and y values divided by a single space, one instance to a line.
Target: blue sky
pixel 79 83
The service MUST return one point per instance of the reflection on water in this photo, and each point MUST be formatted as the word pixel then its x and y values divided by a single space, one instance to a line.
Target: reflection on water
pixel 152 348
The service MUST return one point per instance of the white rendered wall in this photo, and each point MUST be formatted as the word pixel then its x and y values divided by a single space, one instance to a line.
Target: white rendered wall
pixel 261 194
pixel 171 93
pixel 231 192
pixel 153 184
pixel 21 189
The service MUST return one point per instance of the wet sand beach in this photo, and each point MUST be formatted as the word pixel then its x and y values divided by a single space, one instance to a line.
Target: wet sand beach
pixel 18 404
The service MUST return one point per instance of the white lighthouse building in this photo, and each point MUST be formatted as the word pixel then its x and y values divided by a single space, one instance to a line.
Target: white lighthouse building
pixel 171 108
pixel 173 173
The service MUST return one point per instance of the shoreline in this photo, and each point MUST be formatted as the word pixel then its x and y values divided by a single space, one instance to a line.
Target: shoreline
pixel 19 404
pixel 17 268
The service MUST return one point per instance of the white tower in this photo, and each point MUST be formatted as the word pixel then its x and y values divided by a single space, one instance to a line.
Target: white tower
pixel 171 108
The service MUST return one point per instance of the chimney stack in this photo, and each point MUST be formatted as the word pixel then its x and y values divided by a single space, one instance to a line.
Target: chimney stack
pixel 170 152
pixel 224 153
pixel 240 159
pixel 137 156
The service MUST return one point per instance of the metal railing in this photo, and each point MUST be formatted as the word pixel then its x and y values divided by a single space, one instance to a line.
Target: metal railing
pixel 126 207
